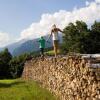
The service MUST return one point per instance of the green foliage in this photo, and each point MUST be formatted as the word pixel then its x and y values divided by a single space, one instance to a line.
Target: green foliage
pixel 11 67
pixel 79 39
pixel 23 90
pixel 5 58
pixel 95 37
pixel 17 65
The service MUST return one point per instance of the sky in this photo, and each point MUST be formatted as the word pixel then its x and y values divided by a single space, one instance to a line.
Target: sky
pixel 28 19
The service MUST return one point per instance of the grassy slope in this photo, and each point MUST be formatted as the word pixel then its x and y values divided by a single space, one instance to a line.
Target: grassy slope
pixel 22 90
pixel 50 52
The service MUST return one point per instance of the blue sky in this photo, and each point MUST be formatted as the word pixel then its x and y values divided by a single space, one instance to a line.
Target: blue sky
pixel 15 15
pixel 18 15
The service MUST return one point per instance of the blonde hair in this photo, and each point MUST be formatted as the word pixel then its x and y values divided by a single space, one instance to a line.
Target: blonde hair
pixel 54 26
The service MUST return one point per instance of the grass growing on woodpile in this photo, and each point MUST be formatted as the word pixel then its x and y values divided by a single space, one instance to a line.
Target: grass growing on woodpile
pixel 51 52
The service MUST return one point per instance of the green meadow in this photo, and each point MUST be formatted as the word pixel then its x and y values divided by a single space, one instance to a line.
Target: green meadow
pixel 23 90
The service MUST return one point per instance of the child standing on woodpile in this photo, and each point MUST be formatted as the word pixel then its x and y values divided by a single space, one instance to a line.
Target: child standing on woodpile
pixel 42 46
pixel 54 34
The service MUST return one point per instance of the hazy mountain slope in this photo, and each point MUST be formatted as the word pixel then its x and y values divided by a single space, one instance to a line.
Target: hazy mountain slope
pixel 25 46
pixel 29 46
pixel 12 46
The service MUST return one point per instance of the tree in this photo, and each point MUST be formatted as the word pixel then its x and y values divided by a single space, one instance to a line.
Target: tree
pixel 74 37
pixel 11 67
pixel 5 58
pixel 95 37
pixel 17 65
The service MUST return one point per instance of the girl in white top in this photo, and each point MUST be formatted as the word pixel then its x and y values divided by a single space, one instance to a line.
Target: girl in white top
pixel 54 34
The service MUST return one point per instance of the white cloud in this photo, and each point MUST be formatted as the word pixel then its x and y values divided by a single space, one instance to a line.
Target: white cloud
pixel 89 14
pixel 5 39
pixel 97 1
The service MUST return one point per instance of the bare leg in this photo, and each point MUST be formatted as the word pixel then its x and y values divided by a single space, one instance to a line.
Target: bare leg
pixel 55 51
pixel 55 47
pixel 58 50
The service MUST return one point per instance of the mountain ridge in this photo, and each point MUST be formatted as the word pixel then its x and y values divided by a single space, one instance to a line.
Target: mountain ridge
pixel 28 45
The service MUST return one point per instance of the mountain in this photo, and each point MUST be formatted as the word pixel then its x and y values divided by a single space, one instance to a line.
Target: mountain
pixel 25 46
pixel 29 46
pixel 0 49
pixel 12 46
pixel 32 45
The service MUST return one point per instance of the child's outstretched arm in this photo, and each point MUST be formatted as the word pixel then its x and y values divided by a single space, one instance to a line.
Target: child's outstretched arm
pixel 47 41
pixel 60 30
pixel 49 36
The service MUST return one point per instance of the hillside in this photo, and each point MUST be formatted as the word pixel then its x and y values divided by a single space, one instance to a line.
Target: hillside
pixel 32 46
pixel 27 45
pixel 14 45
pixel 70 78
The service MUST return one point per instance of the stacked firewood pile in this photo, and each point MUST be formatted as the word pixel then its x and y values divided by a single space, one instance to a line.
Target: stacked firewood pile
pixel 70 78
